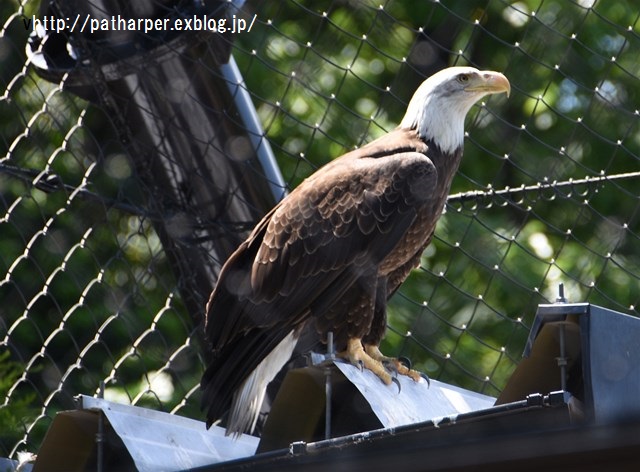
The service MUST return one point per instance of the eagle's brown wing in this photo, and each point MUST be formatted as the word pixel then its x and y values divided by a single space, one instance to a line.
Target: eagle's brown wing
pixel 330 232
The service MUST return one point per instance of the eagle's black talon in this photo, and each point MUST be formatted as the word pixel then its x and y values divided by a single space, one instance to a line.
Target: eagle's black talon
pixel 426 377
pixel 397 382
pixel 390 367
pixel 405 361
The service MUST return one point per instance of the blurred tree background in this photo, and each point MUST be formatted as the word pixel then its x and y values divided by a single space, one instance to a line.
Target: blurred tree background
pixel 87 293
pixel 339 74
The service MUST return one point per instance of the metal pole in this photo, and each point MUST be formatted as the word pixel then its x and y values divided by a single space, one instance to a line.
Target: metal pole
pixel 562 359
pixel 251 121
pixel 100 434
pixel 328 388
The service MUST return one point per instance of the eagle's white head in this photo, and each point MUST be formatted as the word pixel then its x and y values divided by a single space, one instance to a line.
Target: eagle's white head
pixel 439 107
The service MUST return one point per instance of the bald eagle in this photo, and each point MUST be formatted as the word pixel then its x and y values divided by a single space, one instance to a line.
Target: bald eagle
pixel 331 253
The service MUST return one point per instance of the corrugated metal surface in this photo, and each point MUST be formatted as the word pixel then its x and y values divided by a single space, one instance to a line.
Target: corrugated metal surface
pixel 155 441
pixel 159 441
pixel 413 402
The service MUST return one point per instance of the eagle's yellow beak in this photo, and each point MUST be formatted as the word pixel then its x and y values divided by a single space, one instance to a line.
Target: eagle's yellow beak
pixel 489 81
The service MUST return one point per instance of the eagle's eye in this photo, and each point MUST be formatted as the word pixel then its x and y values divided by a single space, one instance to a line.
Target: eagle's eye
pixel 463 78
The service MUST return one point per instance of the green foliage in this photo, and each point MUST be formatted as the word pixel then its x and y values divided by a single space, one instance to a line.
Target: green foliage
pixel 85 287
pixel 17 414
pixel 317 80
pixel 333 75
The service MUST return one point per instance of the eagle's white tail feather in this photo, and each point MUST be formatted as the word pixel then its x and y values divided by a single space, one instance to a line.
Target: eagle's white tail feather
pixel 247 400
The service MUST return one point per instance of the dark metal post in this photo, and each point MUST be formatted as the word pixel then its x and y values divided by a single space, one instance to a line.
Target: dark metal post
pixel 328 389
pixel 562 358
pixel 100 436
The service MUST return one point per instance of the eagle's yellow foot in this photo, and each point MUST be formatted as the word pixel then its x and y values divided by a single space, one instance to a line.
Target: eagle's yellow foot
pixel 396 364
pixel 357 356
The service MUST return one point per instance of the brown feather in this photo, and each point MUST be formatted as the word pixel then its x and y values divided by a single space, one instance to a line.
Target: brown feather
pixel 332 252
pixel 322 253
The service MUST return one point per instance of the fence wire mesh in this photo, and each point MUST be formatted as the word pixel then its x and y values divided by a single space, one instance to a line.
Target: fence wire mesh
pixel 547 192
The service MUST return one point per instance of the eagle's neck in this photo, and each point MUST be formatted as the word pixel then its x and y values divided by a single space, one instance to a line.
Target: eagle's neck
pixel 438 118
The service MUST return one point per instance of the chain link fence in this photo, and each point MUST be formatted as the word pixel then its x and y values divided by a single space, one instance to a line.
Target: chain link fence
pixel 106 255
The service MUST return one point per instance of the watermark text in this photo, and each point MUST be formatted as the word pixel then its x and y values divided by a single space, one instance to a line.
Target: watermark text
pixel 86 23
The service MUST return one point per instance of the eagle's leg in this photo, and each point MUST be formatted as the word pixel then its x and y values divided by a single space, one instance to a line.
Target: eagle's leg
pixel 356 355
pixel 374 352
